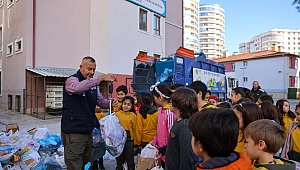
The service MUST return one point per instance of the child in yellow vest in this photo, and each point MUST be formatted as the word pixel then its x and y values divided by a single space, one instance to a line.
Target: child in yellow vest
pixel 121 93
pixel 291 149
pixel 246 113
pixel 127 118
pixel 286 116
pixel 146 126
pixel 263 138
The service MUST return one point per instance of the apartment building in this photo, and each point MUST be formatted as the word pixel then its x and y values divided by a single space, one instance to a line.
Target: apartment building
pixel 286 39
pixel 277 72
pixel 43 42
pixel 191 24
pixel 211 30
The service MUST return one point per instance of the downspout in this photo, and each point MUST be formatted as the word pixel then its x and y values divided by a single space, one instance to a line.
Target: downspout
pixel 33 32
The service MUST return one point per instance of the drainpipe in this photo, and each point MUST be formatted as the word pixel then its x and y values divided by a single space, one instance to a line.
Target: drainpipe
pixel 33 32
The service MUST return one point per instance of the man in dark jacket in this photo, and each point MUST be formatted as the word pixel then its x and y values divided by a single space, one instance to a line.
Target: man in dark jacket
pixel 257 91
pixel 80 97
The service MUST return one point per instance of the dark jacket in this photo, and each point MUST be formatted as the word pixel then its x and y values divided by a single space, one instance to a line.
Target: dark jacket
pixel 78 115
pixel 257 93
pixel 179 152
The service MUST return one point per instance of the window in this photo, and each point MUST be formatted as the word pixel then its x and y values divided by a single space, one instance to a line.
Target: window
pixel 9 49
pixel 245 63
pixel 1 38
pixel 296 81
pixel 292 81
pixel 289 38
pixel 156 25
pixel 18 103
pixel 1 3
pixel 290 62
pixel 10 3
pixel 9 102
pixel 156 56
pixel 233 66
pixel 18 45
pixel 143 20
pixel 296 63
pixel 245 79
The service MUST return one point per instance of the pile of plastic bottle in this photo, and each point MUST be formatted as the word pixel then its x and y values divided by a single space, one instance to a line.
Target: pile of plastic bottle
pixel 38 151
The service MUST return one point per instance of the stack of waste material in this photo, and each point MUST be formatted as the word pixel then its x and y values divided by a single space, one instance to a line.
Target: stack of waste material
pixel 36 149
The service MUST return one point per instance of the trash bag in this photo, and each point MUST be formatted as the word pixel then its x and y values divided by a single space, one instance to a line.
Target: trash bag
pixel 114 135
pixel 149 151
pixel 47 166
pixel 50 142
pixel 108 156
pixel 97 138
pixel 98 152
pixel 41 133
pixel 165 75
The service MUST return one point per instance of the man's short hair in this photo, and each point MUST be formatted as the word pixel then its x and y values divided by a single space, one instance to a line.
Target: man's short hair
pixel 176 86
pixel 208 92
pixel 267 130
pixel 122 88
pixel 266 98
pixel 198 86
pixel 216 129
pixel 91 59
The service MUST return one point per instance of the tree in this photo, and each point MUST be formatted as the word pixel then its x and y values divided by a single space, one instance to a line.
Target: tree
pixel 297 3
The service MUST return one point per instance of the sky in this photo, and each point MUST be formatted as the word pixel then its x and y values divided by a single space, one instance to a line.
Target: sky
pixel 247 18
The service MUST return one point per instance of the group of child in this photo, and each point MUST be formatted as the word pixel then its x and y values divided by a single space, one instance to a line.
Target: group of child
pixel 193 131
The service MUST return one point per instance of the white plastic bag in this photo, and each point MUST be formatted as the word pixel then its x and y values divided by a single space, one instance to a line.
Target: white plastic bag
pixel 114 135
pixel 157 167
pixel 41 133
pixel 1 168
pixel 108 156
pixel 149 151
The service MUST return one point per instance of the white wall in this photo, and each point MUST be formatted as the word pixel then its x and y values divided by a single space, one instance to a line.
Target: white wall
pixel 270 73
pixel 116 38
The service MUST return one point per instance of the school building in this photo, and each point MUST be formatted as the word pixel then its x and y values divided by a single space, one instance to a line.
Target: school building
pixel 277 72
pixel 43 42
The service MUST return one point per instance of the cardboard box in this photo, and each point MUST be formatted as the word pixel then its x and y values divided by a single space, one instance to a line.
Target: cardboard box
pixel 31 131
pixel 14 127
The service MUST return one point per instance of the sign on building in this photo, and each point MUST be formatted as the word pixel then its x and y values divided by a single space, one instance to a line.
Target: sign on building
pixel 157 6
